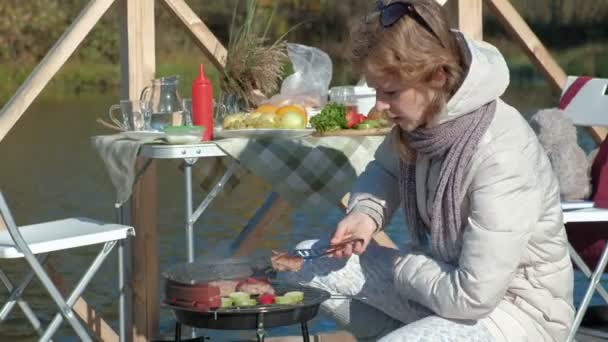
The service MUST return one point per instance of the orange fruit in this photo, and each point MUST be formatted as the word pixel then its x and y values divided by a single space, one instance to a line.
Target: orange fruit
pixel 266 108
pixel 291 108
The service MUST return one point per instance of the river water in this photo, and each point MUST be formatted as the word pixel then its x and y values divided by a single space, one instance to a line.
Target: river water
pixel 50 170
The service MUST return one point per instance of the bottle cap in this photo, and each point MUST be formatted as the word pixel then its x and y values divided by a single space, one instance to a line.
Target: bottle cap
pixel 201 78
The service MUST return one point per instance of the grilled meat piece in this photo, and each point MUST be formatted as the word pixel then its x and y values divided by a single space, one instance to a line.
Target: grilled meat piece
pixel 226 286
pixel 282 261
pixel 255 286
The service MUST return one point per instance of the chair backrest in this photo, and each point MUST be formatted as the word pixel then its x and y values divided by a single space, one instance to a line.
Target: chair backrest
pixel 585 100
pixel 7 218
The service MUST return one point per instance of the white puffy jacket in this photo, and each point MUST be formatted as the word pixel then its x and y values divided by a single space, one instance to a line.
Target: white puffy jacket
pixel 514 273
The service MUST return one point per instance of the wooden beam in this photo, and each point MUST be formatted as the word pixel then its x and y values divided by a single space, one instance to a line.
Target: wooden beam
pixel 51 63
pixel 467 16
pixel 534 48
pixel 536 51
pixel 100 329
pixel 203 37
pixel 138 67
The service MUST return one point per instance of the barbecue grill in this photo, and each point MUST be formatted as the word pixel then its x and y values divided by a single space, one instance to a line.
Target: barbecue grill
pixel 195 303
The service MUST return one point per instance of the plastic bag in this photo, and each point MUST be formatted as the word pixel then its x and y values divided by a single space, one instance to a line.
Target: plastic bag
pixel 309 84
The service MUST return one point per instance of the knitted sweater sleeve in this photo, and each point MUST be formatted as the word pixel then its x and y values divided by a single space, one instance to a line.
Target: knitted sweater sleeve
pixel 376 191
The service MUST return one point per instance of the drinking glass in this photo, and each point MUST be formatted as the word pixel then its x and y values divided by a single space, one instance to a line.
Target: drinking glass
pixel 344 95
pixel 131 115
pixel 187 114
pixel 227 103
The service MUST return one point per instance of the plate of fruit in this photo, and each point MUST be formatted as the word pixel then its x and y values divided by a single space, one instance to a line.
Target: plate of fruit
pixel 288 121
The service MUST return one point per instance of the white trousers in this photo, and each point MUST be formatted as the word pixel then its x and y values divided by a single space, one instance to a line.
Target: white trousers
pixel 368 305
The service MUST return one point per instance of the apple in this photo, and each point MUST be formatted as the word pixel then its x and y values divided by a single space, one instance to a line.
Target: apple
pixel 293 120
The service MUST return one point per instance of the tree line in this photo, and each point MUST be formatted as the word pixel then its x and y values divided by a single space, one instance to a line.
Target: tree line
pixel 29 28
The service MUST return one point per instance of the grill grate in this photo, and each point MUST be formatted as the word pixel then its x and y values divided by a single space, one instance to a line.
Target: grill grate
pixel 204 271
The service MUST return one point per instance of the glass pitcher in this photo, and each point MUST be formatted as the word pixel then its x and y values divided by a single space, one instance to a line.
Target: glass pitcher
pixel 166 104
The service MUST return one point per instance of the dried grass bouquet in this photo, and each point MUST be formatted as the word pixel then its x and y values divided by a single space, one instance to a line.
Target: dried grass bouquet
pixel 253 66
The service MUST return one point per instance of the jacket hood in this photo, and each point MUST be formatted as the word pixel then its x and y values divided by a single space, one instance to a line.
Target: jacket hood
pixel 487 77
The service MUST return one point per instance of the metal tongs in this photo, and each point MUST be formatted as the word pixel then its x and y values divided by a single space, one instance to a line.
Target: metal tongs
pixel 317 252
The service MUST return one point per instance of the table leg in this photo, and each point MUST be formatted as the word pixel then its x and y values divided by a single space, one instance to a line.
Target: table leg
pixel 125 313
pixel 260 331
pixel 125 263
pixel 192 216
pixel 214 191
pixel 305 334
pixel 582 265
pixel 178 331
pixel 593 283
pixel 189 223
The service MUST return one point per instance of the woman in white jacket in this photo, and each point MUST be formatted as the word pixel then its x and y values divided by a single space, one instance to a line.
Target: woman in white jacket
pixel 488 259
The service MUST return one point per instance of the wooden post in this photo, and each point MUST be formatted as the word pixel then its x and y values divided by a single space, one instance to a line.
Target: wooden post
pixel 138 64
pixel 51 63
pixel 137 47
pixel 203 37
pixel 146 296
pixel 467 16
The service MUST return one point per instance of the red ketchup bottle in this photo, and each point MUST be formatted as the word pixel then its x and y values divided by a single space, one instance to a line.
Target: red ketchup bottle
pixel 202 104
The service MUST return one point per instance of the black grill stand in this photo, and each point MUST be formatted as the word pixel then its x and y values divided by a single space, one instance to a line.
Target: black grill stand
pixel 260 333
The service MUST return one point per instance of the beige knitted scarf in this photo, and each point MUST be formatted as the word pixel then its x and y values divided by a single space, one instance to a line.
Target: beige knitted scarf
pixel 454 142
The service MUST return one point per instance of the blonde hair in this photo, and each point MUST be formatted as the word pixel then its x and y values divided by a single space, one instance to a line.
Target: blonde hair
pixel 414 54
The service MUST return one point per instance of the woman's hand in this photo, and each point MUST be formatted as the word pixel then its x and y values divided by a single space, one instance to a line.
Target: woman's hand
pixel 354 225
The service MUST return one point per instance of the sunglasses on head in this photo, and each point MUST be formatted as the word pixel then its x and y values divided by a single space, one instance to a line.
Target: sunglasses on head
pixel 391 13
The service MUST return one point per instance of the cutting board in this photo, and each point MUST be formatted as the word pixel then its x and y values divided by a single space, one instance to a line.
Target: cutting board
pixel 353 132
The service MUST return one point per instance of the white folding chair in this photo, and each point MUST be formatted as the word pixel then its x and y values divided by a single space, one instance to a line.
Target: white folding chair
pixel 34 242
pixel 584 101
